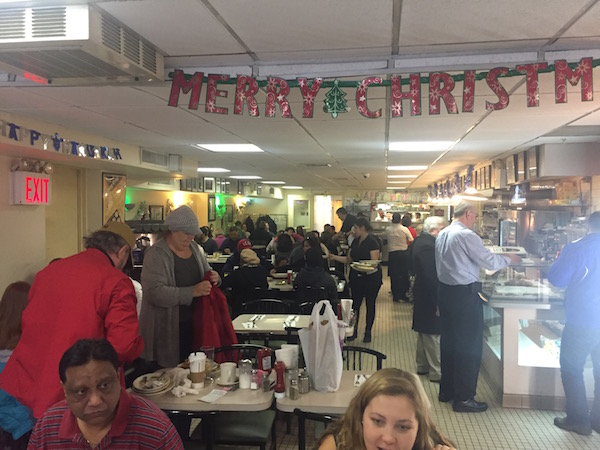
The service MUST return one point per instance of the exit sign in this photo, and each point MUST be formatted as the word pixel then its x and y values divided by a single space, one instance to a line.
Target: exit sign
pixel 30 188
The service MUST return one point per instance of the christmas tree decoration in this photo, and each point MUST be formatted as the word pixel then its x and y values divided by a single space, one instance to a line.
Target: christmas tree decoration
pixel 335 101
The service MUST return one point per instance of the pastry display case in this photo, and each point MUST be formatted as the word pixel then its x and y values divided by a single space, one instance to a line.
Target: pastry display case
pixel 523 321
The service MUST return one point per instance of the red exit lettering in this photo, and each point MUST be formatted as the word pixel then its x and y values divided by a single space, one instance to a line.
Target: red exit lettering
pixel 36 190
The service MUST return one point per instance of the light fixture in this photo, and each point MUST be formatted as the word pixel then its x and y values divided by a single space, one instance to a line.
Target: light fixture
pixel 245 177
pixel 517 199
pixel 212 169
pixel 231 148
pixel 291 187
pixel 407 167
pixel 273 182
pixel 402 176
pixel 420 146
pixel 396 188
pixel 399 182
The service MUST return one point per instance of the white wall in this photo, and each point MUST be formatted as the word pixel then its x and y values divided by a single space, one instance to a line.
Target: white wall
pixel 23 236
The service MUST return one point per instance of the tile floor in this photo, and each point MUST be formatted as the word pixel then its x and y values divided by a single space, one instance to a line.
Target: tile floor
pixel 498 428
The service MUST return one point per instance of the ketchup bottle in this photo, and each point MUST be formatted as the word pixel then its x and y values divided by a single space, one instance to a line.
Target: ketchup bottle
pixel 264 357
pixel 280 383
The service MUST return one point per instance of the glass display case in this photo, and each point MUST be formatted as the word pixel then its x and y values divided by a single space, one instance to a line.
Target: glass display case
pixel 523 282
pixel 523 321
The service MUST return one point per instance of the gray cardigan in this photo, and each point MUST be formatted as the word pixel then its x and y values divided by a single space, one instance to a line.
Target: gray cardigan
pixel 159 318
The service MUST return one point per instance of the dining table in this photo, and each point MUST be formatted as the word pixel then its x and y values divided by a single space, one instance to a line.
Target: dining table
pixel 273 324
pixel 244 400
pixel 326 403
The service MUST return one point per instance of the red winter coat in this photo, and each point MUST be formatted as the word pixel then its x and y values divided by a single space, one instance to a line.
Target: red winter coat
pixel 83 296
pixel 212 322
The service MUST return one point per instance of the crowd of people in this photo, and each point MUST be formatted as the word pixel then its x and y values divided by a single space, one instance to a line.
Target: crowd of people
pixel 62 350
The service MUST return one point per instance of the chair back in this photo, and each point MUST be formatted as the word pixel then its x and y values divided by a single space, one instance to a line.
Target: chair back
pixel 236 352
pixel 310 294
pixel 361 358
pixel 265 305
pixel 303 416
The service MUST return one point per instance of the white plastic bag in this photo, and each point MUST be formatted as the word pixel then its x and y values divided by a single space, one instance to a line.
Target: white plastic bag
pixel 321 348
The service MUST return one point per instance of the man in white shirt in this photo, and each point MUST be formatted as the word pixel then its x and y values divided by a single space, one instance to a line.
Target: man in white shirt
pixel 459 254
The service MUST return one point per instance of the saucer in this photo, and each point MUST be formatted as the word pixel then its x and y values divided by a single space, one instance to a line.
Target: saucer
pixel 224 383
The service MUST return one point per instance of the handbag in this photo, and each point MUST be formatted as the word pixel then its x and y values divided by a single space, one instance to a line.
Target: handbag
pixel 321 347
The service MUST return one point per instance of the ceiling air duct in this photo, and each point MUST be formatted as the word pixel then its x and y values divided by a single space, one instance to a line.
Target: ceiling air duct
pixel 74 41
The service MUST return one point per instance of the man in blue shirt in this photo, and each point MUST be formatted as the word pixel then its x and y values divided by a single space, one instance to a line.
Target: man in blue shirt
pixel 459 254
pixel 578 270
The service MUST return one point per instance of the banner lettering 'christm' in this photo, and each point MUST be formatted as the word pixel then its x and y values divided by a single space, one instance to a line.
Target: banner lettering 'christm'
pixel 440 91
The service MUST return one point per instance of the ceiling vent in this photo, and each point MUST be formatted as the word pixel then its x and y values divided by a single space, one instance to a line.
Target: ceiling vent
pixel 74 41
pixel 158 159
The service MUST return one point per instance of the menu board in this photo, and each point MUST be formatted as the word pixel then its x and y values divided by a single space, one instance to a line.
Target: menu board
pixel 520 167
pixel 532 162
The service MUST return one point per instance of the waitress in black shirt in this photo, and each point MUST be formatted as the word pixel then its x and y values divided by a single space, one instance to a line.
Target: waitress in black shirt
pixel 363 284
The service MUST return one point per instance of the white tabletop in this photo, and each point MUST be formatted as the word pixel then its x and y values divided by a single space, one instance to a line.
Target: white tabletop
pixel 334 403
pixel 269 323
pixel 281 285
pixel 238 400
pixel 220 260
pixel 274 323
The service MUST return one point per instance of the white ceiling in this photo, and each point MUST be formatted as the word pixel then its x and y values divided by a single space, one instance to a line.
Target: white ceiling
pixel 344 39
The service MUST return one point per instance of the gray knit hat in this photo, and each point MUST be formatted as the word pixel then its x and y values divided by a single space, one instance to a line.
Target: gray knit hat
pixel 183 219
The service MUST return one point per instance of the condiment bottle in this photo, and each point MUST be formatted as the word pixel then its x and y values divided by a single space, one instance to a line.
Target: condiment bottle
pixel 304 383
pixel 266 382
pixel 289 277
pixel 245 366
pixel 254 379
pixel 280 383
pixel 264 357
pixel 294 392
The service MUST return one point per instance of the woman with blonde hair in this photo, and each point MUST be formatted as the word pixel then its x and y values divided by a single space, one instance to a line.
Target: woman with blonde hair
pixel 391 411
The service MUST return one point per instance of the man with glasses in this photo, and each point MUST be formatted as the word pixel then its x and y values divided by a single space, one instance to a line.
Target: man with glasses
pixel 459 254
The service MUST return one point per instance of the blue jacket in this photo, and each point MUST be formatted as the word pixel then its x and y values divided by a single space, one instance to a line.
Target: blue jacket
pixel 578 270
pixel 14 417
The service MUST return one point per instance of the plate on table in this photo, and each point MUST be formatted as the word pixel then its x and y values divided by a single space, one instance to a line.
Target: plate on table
pixel 151 383
pixel 224 383
pixel 280 275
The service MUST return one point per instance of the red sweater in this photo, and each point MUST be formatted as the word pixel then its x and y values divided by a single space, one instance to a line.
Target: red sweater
pixel 83 296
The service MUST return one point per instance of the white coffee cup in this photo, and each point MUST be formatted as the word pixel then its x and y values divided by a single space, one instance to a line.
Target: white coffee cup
pixel 228 372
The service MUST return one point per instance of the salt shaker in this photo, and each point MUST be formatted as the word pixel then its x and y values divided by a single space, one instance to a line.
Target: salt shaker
pixel 254 379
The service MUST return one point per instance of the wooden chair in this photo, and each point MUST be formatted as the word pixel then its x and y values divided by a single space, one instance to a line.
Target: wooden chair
pixel 361 358
pixel 303 417
pixel 241 428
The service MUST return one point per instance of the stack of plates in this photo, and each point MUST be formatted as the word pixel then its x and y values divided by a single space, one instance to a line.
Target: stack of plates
pixel 151 384
pixel 366 265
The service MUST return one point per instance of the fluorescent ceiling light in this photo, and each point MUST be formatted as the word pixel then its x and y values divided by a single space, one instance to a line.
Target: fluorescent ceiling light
pixel 399 182
pixel 396 188
pixel 231 148
pixel 402 176
pixel 246 177
pixel 291 187
pixel 420 146
pixel 212 169
pixel 407 167
pixel 273 182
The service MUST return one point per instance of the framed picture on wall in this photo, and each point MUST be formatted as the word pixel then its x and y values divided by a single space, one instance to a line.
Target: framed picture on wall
pixel 212 212
pixel 113 197
pixel 209 184
pixel 157 213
